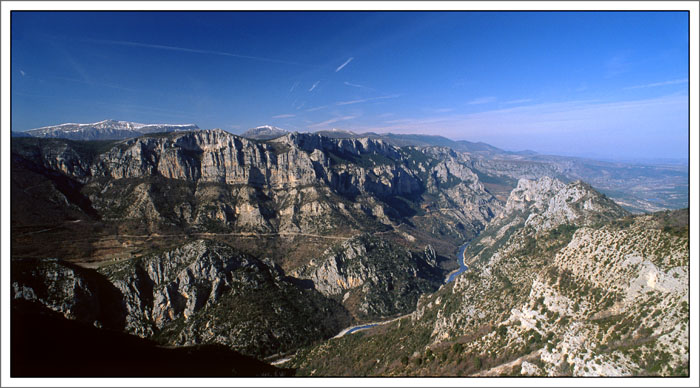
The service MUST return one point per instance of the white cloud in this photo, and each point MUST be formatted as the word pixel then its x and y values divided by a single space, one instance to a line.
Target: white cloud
pixel 331 121
pixel 357 85
pixel 317 108
pixel 283 116
pixel 520 101
pixel 92 83
pixel 190 50
pixel 367 99
pixel 438 110
pixel 400 121
pixel 656 126
pixel 672 82
pixel 481 100
pixel 22 73
pixel 344 64
pixel 314 86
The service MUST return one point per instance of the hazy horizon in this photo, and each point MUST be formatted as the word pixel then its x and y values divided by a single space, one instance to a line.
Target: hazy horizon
pixel 562 83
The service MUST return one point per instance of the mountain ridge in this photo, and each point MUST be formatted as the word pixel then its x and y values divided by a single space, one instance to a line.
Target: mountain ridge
pixel 639 187
pixel 264 132
pixel 105 130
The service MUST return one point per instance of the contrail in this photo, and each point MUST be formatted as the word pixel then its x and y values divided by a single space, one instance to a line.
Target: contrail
pixel 344 64
pixel 197 51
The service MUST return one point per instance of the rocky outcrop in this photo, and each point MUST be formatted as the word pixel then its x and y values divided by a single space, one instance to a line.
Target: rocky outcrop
pixel 163 288
pixel 549 202
pixel 305 183
pixel 189 296
pixel 217 156
pixel 638 188
pixel 199 293
pixel 609 300
pixel 542 206
pixel 374 278
pixel 53 155
pixel 72 291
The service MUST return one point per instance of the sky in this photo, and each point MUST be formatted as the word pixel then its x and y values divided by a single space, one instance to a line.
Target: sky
pixel 610 85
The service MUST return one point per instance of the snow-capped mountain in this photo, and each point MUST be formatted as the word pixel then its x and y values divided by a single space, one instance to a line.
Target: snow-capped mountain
pixel 106 130
pixel 338 133
pixel 264 132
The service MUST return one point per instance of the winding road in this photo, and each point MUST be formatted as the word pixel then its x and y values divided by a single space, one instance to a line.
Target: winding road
pixel 450 278
pixel 352 329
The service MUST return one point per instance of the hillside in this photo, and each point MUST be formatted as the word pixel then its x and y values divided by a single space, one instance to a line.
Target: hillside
pixel 578 296
pixel 207 238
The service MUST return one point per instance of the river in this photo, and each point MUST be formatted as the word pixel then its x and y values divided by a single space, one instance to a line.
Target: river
pixel 460 260
pixel 451 277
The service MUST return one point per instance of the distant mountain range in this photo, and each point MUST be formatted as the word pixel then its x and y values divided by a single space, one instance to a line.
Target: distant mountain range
pixel 264 132
pixel 636 186
pixel 267 132
pixel 103 130
pixel 119 130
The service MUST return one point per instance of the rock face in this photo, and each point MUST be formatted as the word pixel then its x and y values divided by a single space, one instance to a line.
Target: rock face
pixel 105 130
pixel 608 300
pixel 549 203
pixel 374 278
pixel 301 183
pixel 541 206
pixel 73 291
pixel 578 294
pixel 637 187
pixel 199 293
pixel 207 293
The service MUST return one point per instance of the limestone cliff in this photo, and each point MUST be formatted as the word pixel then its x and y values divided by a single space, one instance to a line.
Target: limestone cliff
pixel 200 293
pixel 375 279
pixel 543 205
pixel 213 181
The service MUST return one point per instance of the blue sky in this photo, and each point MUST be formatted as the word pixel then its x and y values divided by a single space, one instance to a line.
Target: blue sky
pixel 610 85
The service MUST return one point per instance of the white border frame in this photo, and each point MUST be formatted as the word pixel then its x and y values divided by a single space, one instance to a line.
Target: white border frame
pixel 8 6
